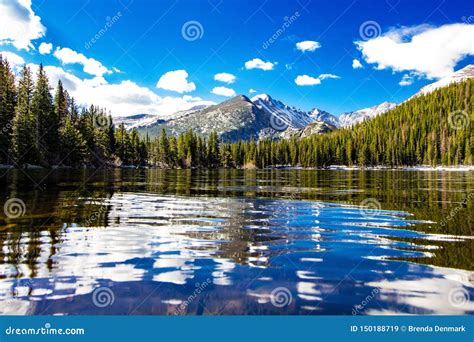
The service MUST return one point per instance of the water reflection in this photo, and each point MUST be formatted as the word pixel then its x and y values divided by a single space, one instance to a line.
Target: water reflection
pixel 154 237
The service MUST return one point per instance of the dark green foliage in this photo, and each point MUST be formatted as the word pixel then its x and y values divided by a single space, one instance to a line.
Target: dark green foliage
pixel 434 129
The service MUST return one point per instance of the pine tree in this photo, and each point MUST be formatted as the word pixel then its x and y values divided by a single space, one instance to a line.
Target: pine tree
pixel 23 146
pixel 7 108
pixel 45 122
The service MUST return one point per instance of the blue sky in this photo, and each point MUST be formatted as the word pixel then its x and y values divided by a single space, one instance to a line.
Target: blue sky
pixel 145 40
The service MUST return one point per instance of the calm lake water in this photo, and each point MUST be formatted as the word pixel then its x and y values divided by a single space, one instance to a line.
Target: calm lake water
pixel 236 242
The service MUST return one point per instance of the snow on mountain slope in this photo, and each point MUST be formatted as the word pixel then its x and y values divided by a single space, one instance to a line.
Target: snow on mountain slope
pixel 321 115
pixel 148 120
pixel 352 118
pixel 458 76
pixel 293 117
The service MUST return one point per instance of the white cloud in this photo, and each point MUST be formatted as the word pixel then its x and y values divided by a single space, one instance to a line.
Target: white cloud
pixel 45 48
pixel 305 80
pixel 13 58
pixel 308 45
pixel 356 64
pixel 90 65
pixel 19 24
pixel 406 80
pixel 257 63
pixel 425 50
pixel 325 76
pixel 225 77
pixel 122 99
pixel 252 91
pixel 223 91
pixel 176 80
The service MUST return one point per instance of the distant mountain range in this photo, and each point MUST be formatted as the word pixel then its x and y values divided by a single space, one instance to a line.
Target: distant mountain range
pixel 265 117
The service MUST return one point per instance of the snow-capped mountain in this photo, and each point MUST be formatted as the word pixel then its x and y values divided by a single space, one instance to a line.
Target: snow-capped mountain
pixel 135 121
pixel 148 120
pixel 292 116
pixel 321 115
pixel 458 76
pixel 352 118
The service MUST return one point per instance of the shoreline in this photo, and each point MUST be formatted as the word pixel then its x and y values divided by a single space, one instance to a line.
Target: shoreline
pixel 459 168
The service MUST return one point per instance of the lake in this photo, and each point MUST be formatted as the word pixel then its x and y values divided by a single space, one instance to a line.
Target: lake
pixel 228 242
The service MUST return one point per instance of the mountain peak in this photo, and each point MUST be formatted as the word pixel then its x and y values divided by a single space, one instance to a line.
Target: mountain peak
pixel 262 97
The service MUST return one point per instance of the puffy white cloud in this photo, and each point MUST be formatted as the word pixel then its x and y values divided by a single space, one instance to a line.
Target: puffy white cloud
pixel 223 91
pixel 122 99
pixel 19 24
pixel 45 48
pixel 305 80
pixel 425 50
pixel 225 77
pixel 90 65
pixel 257 63
pixel 356 64
pixel 13 58
pixel 406 80
pixel 308 45
pixel 252 91
pixel 177 81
